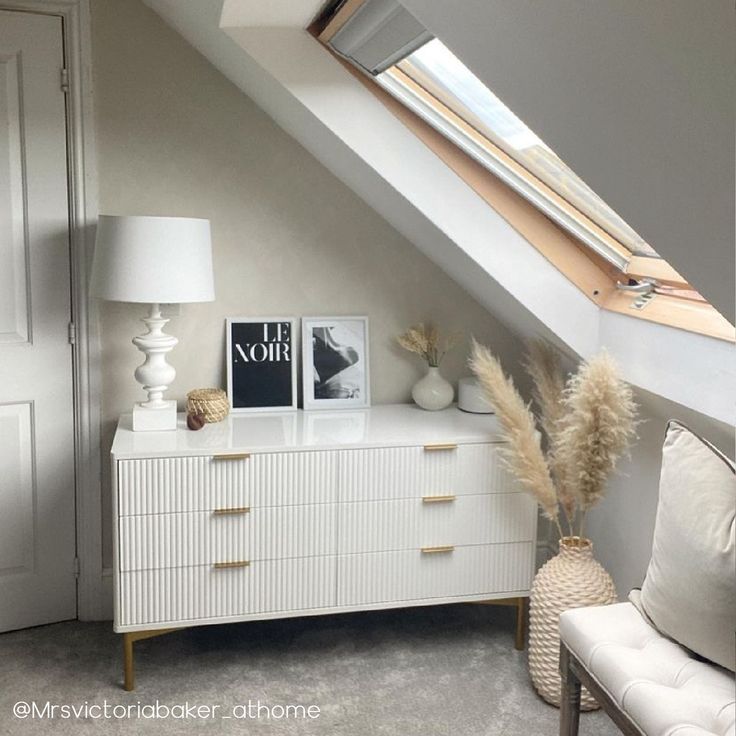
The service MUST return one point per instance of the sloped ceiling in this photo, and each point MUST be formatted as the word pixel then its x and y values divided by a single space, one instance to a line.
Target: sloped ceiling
pixel 637 97
pixel 309 94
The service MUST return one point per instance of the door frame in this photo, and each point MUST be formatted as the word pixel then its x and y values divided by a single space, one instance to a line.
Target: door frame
pixel 94 602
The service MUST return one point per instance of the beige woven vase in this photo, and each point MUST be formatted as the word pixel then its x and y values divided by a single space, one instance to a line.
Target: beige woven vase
pixel 571 579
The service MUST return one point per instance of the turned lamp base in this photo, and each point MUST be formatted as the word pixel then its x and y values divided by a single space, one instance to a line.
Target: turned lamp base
pixel 160 419
pixel 155 374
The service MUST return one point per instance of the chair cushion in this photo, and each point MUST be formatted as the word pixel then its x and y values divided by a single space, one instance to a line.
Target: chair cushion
pixel 658 683
pixel 689 592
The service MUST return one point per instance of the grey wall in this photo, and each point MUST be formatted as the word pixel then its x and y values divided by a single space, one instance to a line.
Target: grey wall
pixel 176 138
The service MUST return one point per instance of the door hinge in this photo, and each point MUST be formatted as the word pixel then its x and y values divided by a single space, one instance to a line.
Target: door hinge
pixel 64 80
pixel 72 333
pixel 76 567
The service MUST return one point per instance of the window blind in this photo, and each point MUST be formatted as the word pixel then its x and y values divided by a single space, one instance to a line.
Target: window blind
pixel 379 34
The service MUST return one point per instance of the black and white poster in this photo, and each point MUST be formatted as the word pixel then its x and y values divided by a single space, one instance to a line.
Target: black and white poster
pixel 335 362
pixel 261 366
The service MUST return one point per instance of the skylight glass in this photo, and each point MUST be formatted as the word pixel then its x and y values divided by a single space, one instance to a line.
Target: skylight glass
pixel 438 71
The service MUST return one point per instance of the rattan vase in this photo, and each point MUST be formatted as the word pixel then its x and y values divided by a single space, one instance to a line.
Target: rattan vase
pixel 571 579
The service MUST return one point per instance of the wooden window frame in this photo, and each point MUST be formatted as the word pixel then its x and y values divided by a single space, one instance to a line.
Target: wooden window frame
pixel 508 161
pixel 589 271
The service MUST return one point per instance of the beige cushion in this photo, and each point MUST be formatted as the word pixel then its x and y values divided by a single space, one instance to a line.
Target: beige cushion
pixel 689 592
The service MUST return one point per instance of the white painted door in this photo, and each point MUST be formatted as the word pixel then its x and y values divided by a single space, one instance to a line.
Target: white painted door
pixel 37 532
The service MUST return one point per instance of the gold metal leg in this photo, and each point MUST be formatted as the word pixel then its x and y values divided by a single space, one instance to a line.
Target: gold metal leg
pixel 520 624
pixel 128 664
pixel 129 638
pixel 520 605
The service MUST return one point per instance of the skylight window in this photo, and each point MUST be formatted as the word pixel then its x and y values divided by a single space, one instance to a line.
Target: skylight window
pixel 386 42
pixel 492 147
pixel 437 70
pixel 438 86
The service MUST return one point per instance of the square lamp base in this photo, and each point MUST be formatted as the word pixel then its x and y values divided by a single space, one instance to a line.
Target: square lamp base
pixel 146 419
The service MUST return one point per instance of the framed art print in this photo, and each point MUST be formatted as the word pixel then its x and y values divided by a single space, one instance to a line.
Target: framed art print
pixel 261 366
pixel 335 362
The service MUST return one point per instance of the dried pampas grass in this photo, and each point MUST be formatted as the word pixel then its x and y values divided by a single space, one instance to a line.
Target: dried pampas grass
pixel 543 366
pixel 597 428
pixel 523 457
pixel 427 342
pixel 589 421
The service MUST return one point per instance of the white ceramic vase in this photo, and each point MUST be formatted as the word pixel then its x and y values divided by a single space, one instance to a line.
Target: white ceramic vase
pixel 433 392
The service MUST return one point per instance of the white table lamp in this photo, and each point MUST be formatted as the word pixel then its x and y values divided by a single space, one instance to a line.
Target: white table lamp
pixel 155 260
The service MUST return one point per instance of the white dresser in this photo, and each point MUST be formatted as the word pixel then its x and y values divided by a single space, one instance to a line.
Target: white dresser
pixel 304 513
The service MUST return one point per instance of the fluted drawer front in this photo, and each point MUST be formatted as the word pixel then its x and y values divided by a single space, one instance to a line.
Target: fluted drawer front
pixel 188 593
pixel 174 484
pixel 415 522
pixel 202 537
pixel 380 577
pixel 406 472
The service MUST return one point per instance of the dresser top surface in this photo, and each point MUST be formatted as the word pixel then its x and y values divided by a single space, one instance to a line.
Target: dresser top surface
pixel 380 426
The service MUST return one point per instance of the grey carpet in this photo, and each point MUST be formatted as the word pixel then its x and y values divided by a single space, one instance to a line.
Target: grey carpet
pixel 441 671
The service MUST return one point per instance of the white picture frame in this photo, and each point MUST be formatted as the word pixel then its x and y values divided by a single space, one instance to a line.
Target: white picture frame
pixel 338 347
pixel 261 363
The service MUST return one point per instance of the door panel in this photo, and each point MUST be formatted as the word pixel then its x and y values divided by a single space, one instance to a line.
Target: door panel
pixel 14 316
pixel 16 460
pixel 37 580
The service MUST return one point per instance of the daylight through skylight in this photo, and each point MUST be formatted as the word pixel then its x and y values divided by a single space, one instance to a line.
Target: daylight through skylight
pixel 441 74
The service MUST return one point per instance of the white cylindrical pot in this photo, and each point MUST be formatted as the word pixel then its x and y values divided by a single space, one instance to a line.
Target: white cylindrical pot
pixel 472 398
pixel 433 392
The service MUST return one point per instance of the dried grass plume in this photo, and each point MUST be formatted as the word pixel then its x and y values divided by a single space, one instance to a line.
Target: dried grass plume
pixel 598 427
pixel 523 457
pixel 427 342
pixel 543 366
pixel 590 421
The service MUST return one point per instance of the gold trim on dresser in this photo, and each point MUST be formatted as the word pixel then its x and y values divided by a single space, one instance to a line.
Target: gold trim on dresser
pixel 232 511
pixel 438 550
pixel 231 456
pixel 230 565
pixel 438 499
pixel 441 446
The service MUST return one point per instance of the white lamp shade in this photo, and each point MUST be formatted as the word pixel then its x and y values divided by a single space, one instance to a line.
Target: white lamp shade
pixel 162 260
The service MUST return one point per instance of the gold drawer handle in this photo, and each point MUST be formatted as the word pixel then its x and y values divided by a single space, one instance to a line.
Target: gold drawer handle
pixel 438 550
pixel 438 499
pixel 228 565
pixel 435 448
pixel 232 511
pixel 231 456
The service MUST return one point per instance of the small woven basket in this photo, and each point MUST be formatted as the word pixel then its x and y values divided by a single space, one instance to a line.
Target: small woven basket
pixel 211 403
